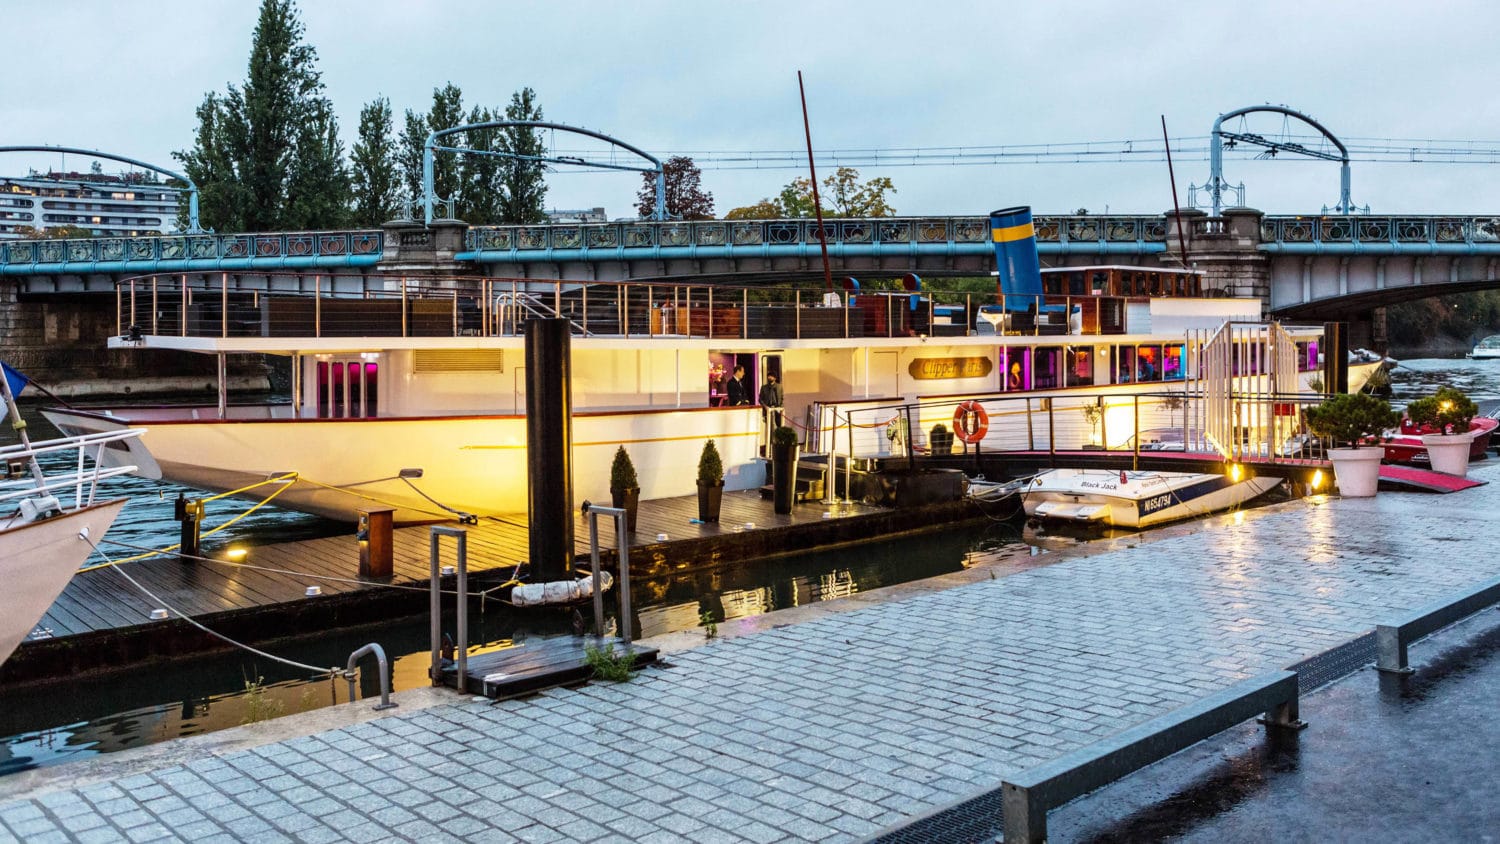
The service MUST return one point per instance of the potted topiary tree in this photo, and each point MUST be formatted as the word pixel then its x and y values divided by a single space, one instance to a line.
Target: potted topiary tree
pixel 1446 414
pixel 940 439
pixel 1349 421
pixel 624 488
pixel 783 467
pixel 710 483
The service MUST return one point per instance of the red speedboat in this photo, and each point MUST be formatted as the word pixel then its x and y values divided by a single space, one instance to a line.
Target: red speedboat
pixel 1405 446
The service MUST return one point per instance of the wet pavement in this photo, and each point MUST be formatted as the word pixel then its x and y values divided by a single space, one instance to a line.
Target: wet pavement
pixel 1384 758
pixel 837 721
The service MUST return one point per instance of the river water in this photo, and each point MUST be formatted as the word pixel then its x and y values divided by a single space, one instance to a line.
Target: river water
pixel 64 721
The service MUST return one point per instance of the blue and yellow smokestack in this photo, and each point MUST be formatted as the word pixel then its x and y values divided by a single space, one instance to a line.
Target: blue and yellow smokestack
pixel 1016 257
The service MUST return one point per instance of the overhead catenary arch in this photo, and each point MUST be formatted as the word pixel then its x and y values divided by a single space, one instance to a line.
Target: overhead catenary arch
pixel 429 197
pixel 1216 184
pixel 192 228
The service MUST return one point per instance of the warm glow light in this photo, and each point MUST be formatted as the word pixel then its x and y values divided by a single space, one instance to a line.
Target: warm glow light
pixel 236 554
pixel 1236 472
pixel 1446 406
pixel 1317 479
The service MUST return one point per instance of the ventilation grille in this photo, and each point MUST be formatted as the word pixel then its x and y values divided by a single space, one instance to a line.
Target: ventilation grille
pixel 459 360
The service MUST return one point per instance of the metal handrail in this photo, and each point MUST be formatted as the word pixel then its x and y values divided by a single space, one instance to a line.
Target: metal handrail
pixel 382 665
pixel 622 550
pixel 461 650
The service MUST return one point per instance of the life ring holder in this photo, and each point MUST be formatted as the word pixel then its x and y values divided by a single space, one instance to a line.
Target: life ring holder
pixel 970 422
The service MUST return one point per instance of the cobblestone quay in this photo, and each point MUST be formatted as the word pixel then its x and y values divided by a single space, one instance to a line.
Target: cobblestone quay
pixel 833 727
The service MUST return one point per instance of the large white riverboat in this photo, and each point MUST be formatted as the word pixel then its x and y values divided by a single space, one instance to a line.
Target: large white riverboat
pixel 413 395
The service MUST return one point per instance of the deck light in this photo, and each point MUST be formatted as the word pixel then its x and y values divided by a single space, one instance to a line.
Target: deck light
pixel 1236 472
pixel 313 591
pixel 446 570
pixel 1317 479
pixel 661 537
pixel 158 614
pixel 236 554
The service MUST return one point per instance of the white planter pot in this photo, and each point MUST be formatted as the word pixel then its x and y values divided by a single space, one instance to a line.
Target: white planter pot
pixel 1356 470
pixel 1448 452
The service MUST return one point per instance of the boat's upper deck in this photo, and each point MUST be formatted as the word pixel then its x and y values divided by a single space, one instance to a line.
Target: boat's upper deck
pixel 292 313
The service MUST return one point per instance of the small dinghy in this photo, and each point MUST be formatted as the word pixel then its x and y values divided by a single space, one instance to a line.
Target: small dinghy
pixel 1136 499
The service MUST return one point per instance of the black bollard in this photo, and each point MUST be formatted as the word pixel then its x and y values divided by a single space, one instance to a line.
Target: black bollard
pixel 189 512
pixel 549 448
pixel 1336 357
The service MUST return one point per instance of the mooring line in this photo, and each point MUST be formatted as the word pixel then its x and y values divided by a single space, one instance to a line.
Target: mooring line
pixel 330 672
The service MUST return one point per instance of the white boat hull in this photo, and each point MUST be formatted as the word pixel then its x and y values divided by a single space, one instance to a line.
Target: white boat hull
pixel 38 559
pixel 473 464
pixel 1142 500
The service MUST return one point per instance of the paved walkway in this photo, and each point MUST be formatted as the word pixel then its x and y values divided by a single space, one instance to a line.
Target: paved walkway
pixel 833 728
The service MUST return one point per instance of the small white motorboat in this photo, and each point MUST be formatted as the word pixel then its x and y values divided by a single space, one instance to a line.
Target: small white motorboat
pixel 1136 499
pixel 1486 349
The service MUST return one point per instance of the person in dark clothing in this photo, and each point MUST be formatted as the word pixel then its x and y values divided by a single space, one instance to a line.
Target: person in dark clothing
pixel 739 393
pixel 770 400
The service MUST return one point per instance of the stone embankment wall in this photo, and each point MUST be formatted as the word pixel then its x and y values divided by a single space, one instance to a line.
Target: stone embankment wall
pixel 60 342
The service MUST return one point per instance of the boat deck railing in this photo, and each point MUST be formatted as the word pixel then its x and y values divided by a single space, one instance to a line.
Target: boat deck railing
pixel 330 305
pixel 1269 427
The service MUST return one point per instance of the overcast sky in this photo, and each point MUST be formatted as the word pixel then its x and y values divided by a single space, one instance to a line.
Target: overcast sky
pixel 675 77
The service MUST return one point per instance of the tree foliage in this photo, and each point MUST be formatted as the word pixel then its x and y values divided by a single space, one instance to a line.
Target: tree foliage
pixel 373 174
pixel 524 190
pixel 685 198
pixel 842 195
pixel 266 154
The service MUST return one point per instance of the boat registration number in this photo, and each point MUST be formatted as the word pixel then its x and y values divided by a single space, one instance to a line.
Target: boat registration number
pixel 1157 502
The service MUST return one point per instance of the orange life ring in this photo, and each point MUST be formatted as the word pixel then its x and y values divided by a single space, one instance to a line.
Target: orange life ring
pixel 970 422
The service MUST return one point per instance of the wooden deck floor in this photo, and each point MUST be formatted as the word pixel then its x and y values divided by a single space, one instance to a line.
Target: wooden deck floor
pixel 278 573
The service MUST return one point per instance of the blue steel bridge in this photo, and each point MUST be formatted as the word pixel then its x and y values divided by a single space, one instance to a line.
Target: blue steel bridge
pixel 1312 265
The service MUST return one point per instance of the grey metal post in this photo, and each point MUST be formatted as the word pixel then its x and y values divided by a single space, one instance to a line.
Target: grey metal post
pixel 461 647
pixel 598 579
pixel 622 548
pixel 382 665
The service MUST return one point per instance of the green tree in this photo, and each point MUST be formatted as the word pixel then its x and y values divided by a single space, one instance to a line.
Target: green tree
pixel 766 209
pixel 250 140
pixel 852 198
pixel 318 191
pixel 447 112
pixel 480 187
pixel 211 166
pixel 374 176
pixel 524 188
pixel 685 198
pixel 409 154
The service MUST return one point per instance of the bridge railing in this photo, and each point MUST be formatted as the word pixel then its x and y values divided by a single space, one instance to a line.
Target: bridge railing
pixel 345 305
pixel 892 231
pixel 126 250
pixel 1373 229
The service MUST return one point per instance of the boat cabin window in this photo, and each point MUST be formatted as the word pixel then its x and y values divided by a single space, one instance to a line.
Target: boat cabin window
pixel 1307 356
pixel 1046 368
pixel 1171 362
pixel 1148 363
pixel 1080 366
pixel 1124 364
pixel 1016 363
pixel 348 389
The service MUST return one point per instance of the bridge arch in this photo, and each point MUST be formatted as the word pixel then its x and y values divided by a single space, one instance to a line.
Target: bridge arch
pixel 429 197
pixel 193 227
pixel 1216 184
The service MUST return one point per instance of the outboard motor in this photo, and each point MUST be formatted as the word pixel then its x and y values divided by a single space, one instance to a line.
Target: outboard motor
pixel 1016 257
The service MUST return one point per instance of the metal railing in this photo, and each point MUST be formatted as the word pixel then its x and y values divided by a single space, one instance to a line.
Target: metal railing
pixel 341 305
pixel 382 665
pixel 461 646
pixel 622 549
pixel 197 247
pixel 1393 637
pixel 1267 426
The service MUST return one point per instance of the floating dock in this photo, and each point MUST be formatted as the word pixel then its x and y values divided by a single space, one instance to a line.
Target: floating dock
pixel 102 621
pixel 537 665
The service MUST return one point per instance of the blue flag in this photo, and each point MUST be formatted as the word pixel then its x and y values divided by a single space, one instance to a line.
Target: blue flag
pixel 15 380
